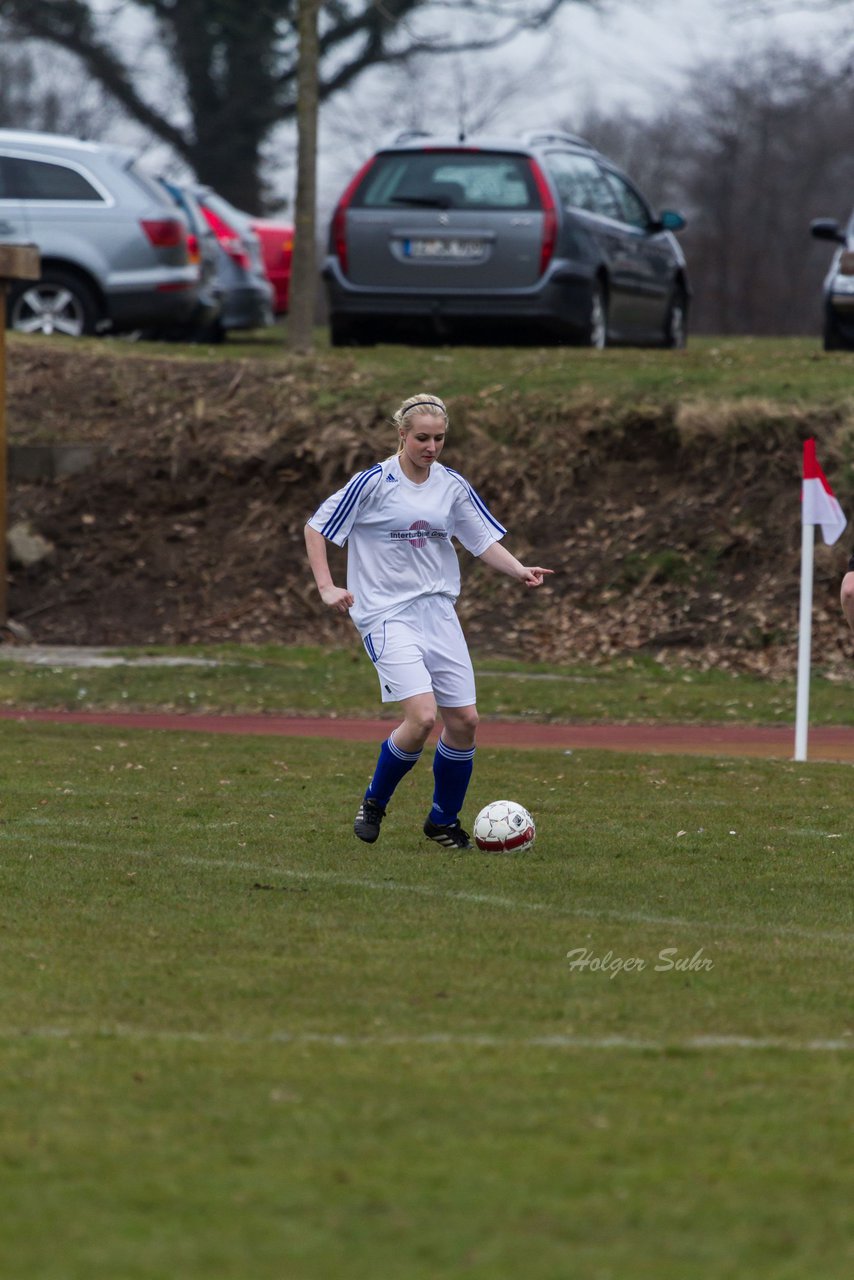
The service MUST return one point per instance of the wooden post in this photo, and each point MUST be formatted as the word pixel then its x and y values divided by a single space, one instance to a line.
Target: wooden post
pixel 303 288
pixel 17 262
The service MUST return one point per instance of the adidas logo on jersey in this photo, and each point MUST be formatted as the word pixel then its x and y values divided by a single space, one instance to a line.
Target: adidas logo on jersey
pixel 390 479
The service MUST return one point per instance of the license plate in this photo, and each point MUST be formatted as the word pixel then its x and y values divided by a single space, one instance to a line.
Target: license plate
pixel 443 247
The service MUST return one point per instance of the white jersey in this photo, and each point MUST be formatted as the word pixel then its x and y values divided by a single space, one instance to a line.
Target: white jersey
pixel 398 536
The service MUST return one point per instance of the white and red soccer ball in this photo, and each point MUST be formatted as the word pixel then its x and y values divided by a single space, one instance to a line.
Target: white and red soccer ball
pixel 504 827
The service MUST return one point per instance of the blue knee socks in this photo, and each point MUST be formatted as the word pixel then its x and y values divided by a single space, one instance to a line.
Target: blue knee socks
pixel 392 764
pixel 452 770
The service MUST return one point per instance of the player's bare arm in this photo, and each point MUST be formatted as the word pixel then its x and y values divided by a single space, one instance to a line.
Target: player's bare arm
pixel 846 597
pixel 499 558
pixel 338 598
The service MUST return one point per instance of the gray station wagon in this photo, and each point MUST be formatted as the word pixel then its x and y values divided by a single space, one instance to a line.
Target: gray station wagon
pixel 538 238
pixel 114 248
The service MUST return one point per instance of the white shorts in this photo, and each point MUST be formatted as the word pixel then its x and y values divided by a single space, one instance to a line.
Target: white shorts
pixel 423 650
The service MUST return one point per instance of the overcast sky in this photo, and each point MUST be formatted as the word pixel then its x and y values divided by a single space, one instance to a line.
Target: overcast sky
pixel 639 48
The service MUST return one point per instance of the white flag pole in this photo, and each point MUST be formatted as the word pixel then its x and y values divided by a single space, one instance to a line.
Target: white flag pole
pixel 804 640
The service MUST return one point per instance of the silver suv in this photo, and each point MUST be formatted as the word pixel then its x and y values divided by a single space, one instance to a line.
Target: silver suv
pixel 114 249
pixel 537 237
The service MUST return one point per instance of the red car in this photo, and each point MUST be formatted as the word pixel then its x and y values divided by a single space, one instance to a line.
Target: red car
pixel 277 246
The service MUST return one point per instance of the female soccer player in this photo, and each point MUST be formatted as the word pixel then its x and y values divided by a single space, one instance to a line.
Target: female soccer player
pixel 397 520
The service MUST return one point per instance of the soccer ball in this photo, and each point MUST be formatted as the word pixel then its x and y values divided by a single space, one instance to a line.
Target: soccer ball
pixel 504 827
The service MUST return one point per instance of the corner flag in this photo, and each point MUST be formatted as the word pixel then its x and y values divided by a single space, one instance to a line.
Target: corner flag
pixel 818 507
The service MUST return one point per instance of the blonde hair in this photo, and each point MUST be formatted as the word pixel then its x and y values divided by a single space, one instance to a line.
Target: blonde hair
pixel 429 405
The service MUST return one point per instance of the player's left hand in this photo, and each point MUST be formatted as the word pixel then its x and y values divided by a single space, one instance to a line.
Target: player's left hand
pixel 534 576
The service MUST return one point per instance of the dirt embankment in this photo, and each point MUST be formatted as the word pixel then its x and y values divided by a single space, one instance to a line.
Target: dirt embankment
pixel 673 528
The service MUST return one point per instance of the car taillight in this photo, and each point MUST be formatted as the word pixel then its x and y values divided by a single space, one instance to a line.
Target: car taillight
pixel 193 247
pixel 338 231
pixel 228 238
pixel 165 233
pixel 547 247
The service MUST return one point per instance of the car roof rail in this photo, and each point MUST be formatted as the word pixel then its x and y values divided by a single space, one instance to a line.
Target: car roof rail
pixel 556 135
pixel 42 138
pixel 410 135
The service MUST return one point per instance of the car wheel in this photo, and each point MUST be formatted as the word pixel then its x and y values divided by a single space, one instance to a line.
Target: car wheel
pixel 344 333
pixel 597 325
pixel 341 332
pixel 676 322
pixel 833 339
pixel 59 302
pixel 213 333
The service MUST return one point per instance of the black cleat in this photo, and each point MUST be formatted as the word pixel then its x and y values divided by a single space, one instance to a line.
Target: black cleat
pixel 368 819
pixel 450 837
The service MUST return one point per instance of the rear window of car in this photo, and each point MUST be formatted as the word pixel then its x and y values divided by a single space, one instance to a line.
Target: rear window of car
pixel 25 179
pixel 448 180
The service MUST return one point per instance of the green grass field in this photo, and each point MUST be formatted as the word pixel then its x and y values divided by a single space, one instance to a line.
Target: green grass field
pixel 238 1044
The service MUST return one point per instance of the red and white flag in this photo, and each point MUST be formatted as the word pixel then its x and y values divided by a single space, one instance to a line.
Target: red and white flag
pixel 818 503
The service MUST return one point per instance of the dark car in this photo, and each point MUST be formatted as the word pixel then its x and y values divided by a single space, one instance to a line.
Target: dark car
pixel 247 294
pixel 838 284
pixel 205 324
pixel 543 237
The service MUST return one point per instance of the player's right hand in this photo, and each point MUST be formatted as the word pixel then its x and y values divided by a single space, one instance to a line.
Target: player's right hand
pixel 338 598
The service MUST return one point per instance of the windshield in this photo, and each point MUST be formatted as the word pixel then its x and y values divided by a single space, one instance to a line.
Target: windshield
pixel 448 180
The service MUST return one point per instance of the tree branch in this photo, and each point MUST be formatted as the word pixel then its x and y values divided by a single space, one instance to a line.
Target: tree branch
pixel 238 62
pixel 68 24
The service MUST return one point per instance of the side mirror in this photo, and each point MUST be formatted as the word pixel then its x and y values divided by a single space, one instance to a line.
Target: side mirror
pixel 669 220
pixel 827 229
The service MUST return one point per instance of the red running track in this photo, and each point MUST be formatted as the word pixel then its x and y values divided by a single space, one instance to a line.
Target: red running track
pixel 829 743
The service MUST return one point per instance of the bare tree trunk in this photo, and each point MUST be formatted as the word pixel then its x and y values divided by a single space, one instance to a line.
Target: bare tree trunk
pixel 300 331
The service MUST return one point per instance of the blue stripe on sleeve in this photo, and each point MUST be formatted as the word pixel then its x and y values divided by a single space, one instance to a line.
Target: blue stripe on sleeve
pixel 479 505
pixel 349 498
